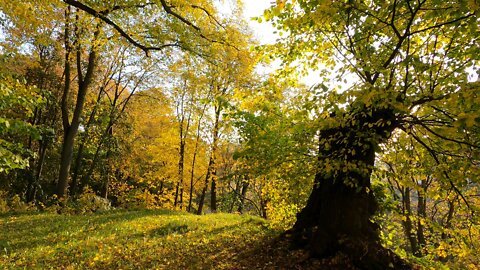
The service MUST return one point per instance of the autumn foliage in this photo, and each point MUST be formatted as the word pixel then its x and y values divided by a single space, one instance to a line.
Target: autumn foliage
pixel 147 106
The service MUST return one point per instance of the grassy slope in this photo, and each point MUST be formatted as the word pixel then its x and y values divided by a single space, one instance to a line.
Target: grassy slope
pixel 146 239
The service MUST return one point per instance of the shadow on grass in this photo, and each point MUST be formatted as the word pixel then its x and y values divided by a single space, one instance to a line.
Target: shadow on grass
pixel 231 242
pixel 28 231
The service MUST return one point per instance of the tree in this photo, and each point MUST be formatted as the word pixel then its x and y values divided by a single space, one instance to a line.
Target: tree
pixel 164 32
pixel 17 102
pixel 30 53
pixel 122 82
pixel 436 221
pixel 408 58
pixel 84 81
pixel 183 94
pixel 277 146
pixel 229 72
pixel 148 147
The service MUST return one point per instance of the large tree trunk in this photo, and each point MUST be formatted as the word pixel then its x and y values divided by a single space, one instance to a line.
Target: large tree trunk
pixel 337 216
pixel 65 160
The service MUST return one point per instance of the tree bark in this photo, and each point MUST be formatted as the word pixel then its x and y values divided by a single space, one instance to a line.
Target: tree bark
pixel 71 128
pixel 243 195
pixel 205 188
pixel 179 188
pixel 79 157
pixel 337 216
pixel 211 170
pixel 195 151
pixel 190 197
pixel 422 215
pixel 183 132
pixel 213 188
pixel 447 223
pixel 408 224
pixel 64 160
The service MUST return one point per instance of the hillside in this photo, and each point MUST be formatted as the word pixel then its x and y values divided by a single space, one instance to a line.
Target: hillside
pixel 142 239
pixel 127 239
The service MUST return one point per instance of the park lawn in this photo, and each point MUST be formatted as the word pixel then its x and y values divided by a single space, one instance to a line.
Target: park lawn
pixel 141 239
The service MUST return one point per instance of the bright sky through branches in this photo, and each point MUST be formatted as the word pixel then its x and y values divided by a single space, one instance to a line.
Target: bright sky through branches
pixel 263 31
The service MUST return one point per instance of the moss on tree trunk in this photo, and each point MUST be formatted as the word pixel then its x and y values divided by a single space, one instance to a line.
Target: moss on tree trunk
pixel 338 214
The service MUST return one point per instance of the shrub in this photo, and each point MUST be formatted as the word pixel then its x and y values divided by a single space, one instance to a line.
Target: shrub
pixel 89 202
pixel 13 204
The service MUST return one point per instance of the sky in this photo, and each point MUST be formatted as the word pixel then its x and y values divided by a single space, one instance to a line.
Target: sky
pixel 252 8
pixel 264 30
pixel 264 33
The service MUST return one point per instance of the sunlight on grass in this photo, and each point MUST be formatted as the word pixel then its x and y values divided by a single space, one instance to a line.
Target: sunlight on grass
pixel 127 240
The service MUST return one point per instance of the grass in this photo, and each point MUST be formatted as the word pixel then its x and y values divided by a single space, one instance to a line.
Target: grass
pixel 143 239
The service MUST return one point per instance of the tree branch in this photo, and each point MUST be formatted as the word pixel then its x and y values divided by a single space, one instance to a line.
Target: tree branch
pixel 437 161
pixel 443 24
pixel 118 7
pixel 446 138
pixel 102 17
pixel 208 14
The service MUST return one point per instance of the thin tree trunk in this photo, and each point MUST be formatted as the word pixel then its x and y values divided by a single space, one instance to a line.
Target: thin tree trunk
pixel 195 151
pixel 213 191
pixel 79 157
pixel 106 183
pixel 407 223
pixel 447 224
pixel 36 172
pixel 103 139
pixel 179 187
pixel 213 188
pixel 245 184
pixel 205 188
pixel 31 172
pixel 263 207
pixel 190 197
pixel 102 92
pixel 422 215
pixel 108 132
pixel 236 193
pixel 211 172
pixel 183 137
pixel 71 128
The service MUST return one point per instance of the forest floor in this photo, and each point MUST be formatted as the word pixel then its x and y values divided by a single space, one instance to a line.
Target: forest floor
pixel 148 239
